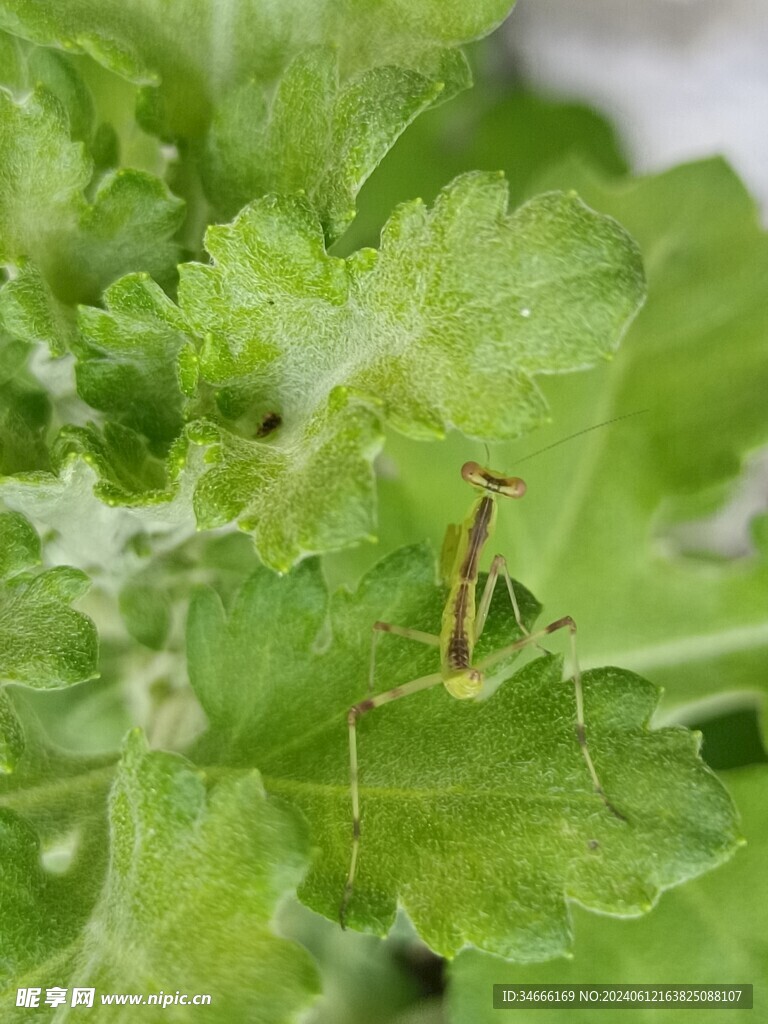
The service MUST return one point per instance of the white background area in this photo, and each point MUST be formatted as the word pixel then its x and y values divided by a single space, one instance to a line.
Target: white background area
pixel 682 78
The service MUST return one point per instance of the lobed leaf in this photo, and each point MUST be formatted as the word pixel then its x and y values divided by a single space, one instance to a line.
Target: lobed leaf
pixel 480 819
pixel 446 326
pixel 128 357
pixel 256 145
pixel 189 57
pixel 89 473
pixel 42 175
pixel 270 100
pixel 707 932
pixel 67 246
pixel 482 129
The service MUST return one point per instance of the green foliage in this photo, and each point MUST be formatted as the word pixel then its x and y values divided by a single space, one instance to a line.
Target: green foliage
pixel 141 398
pixel 358 120
pixel 78 244
pixel 722 911
pixel 43 642
pixel 260 98
pixel 11 735
pixel 445 786
pixel 168 822
pixel 191 60
pixel 445 326
pixel 517 132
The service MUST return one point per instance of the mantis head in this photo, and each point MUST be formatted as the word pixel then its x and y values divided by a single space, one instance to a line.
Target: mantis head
pixel 488 480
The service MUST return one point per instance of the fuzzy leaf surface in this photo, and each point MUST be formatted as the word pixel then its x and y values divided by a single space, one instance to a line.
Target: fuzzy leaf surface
pixel 196 868
pixel 43 641
pixel 76 244
pixel 478 817
pixel 708 932
pixel 192 56
pixel 270 99
pixel 447 325
pixel 312 114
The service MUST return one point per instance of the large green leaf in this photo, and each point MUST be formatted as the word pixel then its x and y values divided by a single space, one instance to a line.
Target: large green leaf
pixel 446 325
pixel 482 129
pixel 237 853
pixel 479 818
pixel 708 932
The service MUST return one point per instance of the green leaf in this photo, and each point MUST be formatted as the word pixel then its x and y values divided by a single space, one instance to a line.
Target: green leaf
pixel 91 472
pixel 255 146
pixel 313 493
pixel 59 795
pixel 707 932
pixel 146 612
pixel 19 544
pixel 696 628
pixel 479 818
pixel 13 355
pixel 192 57
pixel 238 852
pixel 516 131
pixel 594 525
pixel 12 741
pixel 25 67
pixel 447 325
pixel 272 100
pixel 31 312
pixel 25 414
pixel 129 225
pixel 119 457
pixel 78 245
pixel 29 920
pixel 127 357
pixel 43 642
pixel 43 175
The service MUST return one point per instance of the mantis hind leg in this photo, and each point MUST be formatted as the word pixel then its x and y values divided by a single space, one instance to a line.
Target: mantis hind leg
pixel 581 728
pixel 353 715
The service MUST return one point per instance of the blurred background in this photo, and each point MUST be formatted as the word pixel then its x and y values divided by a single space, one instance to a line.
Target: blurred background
pixel 681 79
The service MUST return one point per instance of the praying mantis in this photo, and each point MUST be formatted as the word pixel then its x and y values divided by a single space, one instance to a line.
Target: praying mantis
pixel 463 621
